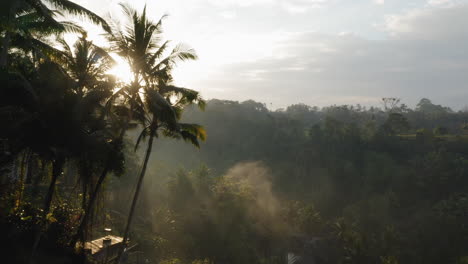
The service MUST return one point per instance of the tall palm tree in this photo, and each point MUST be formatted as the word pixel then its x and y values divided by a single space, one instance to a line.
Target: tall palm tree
pixel 87 64
pixel 139 43
pixel 66 126
pixel 163 107
pixel 47 119
pixel 60 118
pixel 36 110
pixel 38 14
pixel 151 98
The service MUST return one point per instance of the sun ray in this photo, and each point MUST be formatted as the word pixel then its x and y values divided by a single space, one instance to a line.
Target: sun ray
pixel 121 70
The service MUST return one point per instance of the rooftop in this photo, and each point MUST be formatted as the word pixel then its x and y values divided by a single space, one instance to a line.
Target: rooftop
pixel 96 245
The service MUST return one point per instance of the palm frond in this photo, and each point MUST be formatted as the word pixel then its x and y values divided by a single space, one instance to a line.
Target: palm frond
pixel 71 27
pixel 171 90
pixel 41 9
pixel 77 10
pixel 158 106
pixel 65 46
pixel 128 9
pixel 103 53
pixel 194 129
pixel 40 20
pixel 153 58
pixel 181 53
pixel 39 47
pixel 177 54
pixel 94 98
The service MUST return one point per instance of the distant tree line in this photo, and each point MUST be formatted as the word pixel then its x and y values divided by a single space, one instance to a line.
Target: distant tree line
pixel 349 184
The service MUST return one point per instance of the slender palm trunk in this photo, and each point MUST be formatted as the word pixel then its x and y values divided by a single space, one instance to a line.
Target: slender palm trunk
pixel 89 207
pixel 85 193
pixel 84 206
pixel 21 179
pixel 102 177
pixel 57 168
pixel 92 198
pixel 5 46
pixel 38 178
pixel 137 193
pixel 30 168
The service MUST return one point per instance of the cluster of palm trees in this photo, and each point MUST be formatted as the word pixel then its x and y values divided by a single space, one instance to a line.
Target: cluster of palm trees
pixel 59 105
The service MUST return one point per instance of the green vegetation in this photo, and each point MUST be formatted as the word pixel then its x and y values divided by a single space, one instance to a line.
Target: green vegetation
pixel 339 184
pixel 333 183
pixel 63 111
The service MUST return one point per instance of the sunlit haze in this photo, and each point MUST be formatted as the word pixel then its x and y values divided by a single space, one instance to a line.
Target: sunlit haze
pixel 318 52
pixel 121 69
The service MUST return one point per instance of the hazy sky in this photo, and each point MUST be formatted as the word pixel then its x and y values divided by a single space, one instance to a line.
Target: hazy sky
pixel 318 52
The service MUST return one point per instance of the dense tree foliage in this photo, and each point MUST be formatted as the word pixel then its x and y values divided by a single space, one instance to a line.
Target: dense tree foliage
pixel 65 120
pixel 340 184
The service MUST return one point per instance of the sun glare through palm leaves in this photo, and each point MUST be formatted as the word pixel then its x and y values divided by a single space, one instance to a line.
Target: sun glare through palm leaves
pixel 121 70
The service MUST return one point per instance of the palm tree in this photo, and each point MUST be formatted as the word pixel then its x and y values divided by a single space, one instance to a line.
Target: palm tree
pixel 163 107
pixel 20 18
pixel 46 121
pixel 61 118
pixel 87 64
pixel 151 98
pixel 139 43
pixel 36 110
pixel 71 126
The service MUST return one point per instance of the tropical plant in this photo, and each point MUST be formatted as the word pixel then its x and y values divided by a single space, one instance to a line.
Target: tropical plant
pixel 25 23
pixel 153 101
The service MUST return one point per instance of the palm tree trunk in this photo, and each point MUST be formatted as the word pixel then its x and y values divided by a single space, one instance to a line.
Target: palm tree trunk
pixel 21 179
pixel 137 193
pixel 85 194
pixel 89 207
pixel 38 178
pixel 92 198
pixel 101 179
pixel 57 168
pixel 31 167
pixel 5 46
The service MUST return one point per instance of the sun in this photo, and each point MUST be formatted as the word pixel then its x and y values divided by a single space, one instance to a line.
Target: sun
pixel 121 70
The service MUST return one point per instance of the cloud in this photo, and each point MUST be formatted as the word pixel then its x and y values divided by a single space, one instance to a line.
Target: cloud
pixel 302 6
pixel 291 6
pixel 441 24
pixel 228 14
pixel 379 2
pixel 424 56
pixel 439 2
pixel 248 49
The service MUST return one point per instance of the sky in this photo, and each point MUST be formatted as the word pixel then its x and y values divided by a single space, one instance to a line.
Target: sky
pixel 317 52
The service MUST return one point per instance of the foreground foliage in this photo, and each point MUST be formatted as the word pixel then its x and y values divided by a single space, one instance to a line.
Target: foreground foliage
pixel 66 119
